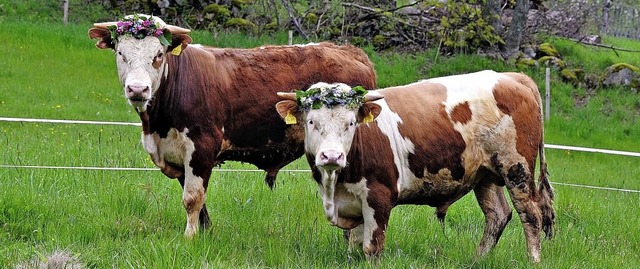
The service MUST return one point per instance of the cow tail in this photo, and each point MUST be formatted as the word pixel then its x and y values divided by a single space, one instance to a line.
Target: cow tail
pixel 544 189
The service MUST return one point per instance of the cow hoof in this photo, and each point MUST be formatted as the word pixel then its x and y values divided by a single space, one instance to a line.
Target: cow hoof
pixel 190 232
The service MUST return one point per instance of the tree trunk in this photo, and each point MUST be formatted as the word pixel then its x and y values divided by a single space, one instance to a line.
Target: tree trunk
pixel 605 16
pixel 491 13
pixel 513 35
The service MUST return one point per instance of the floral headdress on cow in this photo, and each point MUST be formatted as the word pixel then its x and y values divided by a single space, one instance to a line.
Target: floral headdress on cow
pixel 314 98
pixel 140 27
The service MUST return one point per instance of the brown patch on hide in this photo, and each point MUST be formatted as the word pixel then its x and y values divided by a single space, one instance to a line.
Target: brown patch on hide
pixel 521 103
pixel 426 123
pixel 370 157
pixel 461 113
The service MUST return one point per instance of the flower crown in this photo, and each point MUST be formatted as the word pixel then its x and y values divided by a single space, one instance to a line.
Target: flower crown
pixel 330 96
pixel 140 27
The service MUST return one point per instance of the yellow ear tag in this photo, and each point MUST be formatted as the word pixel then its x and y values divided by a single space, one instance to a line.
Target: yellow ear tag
pixel 177 50
pixel 368 118
pixel 290 119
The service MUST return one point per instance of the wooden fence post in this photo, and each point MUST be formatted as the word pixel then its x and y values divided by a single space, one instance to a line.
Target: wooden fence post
pixel 65 17
pixel 547 96
pixel 290 38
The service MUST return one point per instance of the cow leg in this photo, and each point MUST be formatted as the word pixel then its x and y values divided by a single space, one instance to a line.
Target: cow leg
pixel 521 187
pixel 441 213
pixel 198 163
pixel 376 210
pixel 193 196
pixel 497 213
pixel 204 219
pixel 354 237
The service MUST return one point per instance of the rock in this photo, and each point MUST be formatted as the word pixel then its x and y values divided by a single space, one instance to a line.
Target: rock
pixel 593 39
pixel 529 52
pixel 621 74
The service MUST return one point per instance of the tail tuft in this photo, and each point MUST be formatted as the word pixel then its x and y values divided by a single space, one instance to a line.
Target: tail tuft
pixel 546 200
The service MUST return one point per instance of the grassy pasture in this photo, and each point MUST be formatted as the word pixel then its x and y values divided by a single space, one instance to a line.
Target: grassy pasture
pixel 135 219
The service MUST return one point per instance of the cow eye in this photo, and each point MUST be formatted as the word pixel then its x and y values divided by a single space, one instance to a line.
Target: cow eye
pixel 352 123
pixel 158 57
pixel 122 55
pixel 310 122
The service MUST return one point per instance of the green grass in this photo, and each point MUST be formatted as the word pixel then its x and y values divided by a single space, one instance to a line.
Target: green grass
pixel 135 219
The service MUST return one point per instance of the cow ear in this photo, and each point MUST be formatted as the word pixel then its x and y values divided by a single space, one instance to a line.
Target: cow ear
pixel 289 112
pixel 104 36
pixel 179 42
pixel 368 112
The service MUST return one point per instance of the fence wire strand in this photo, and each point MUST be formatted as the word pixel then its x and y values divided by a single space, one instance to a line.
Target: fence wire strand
pixel 28 120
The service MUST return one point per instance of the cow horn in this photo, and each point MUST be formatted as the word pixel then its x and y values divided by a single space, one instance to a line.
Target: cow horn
pixel 372 96
pixel 104 25
pixel 176 29
pixel 287 96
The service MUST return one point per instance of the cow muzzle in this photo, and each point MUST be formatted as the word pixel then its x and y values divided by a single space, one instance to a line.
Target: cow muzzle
pixel 138 96
pixel 331 159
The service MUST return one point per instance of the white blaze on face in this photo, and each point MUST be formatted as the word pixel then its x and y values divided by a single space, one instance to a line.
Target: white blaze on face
pixel 329 134
pixel 141 64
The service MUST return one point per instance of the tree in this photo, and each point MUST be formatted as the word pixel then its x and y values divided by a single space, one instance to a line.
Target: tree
pixel 491 14
pixel 513 36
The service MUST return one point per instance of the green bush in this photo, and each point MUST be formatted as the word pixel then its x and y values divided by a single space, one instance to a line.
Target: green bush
pixel 463 28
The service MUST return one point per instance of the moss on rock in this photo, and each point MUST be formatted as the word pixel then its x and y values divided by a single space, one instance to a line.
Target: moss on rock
pixel 271 27
pixel 238 3
pixel 242 24
pixel 619 66
pixel 551 60
pixel 546 49
pixel 523 63
pixel 574 76
pixel 216 12
pixel 610 76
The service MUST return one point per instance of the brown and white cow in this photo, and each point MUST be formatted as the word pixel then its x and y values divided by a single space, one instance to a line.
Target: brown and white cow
pixel 200 105
pixel 432 142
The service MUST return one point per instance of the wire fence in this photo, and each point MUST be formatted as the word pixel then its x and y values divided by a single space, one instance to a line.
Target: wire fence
pixel 56 121
pixel 606 17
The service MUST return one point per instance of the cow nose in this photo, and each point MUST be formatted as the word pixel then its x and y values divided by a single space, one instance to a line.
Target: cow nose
pixel 137 92
pixel 331 157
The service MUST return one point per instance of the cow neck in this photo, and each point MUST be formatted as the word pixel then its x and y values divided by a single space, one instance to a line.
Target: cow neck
pixel 145 119
pixel 182 97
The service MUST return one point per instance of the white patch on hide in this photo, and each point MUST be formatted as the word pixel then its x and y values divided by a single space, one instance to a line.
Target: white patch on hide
pixel 306 45
pixel 468 87
pixel 327 190
pixel 388 122
pixel 150 145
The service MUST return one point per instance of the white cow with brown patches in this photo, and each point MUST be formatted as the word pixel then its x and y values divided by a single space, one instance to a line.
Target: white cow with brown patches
pixel 432 142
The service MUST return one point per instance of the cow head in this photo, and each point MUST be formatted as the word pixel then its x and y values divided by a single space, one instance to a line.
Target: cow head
pixel 141 44
pixel 330 114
